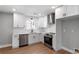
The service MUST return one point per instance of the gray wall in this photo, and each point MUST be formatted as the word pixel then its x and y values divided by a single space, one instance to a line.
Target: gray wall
pixel 6 27
pixel 70 33
pixel 58 34
pixel 67 33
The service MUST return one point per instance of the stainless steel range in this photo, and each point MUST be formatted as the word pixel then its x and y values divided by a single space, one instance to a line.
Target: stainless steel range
pixel 48 40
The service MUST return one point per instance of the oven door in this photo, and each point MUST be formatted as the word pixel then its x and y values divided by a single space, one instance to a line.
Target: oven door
pixel 48 40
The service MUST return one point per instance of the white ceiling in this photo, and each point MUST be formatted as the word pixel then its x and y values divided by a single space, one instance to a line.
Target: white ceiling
pixel 28 10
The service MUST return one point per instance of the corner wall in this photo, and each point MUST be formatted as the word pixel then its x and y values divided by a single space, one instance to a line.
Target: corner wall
pixel 6 28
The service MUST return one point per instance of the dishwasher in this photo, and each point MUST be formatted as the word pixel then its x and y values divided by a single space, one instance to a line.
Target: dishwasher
pixel 23 40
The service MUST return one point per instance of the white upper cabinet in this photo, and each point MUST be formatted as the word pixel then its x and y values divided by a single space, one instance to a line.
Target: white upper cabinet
pixel 19 20
pixel 31 24
pixel 72 10
pixel 35 24
pixel 42 23
pixel 66 11
pixel 28 25
pixel 45 21
pixel 60 12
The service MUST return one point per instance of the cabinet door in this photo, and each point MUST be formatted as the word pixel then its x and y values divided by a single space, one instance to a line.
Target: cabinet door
pixel 66 11
pixel 35 24
pixel 33 38
pixel 28 25
pixel 15 41
pixel 45 21
pixel 19 20
pixel 42 22
pixel 59 12
pixel 72 10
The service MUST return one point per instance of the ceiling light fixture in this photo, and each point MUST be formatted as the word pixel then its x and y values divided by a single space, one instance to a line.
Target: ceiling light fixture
pixel 14 9
pixel 53 7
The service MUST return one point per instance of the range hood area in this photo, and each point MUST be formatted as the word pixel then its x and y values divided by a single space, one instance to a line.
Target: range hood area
pixel 33 29
pixel 51 18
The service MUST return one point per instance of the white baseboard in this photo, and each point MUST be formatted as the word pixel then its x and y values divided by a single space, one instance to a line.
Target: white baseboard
pixel 69 50
pixel 7 45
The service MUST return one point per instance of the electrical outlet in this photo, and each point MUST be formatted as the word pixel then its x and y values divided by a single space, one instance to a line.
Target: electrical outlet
pixel 72 31
pixel 64 30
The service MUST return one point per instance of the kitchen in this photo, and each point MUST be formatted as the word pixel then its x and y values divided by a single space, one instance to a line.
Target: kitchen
pixel 39 29
pixel 27 25
pixel 52 28
pixel 35 28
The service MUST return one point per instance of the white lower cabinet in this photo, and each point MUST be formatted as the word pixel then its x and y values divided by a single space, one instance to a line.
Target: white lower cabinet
pixel 34 38
pixel 54 41
pixel 41 36
pixel 15 41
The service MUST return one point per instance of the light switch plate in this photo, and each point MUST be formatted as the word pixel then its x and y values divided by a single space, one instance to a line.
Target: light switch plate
pixel 64 30
pixel 72 31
